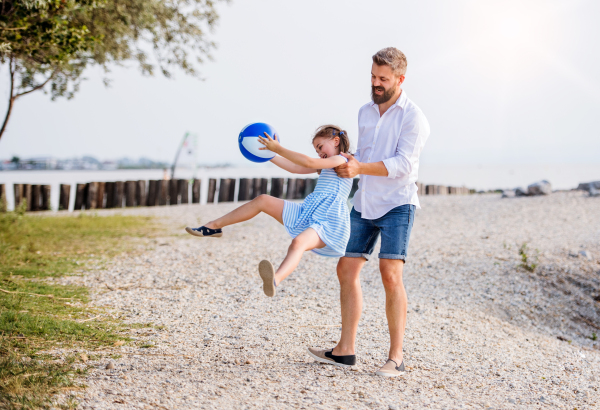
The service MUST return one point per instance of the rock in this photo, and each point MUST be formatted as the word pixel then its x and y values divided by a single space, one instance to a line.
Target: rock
pixel 509 193
pixel 521 192
pixel 540 188
pixel 392 407
pixel 110 366
pixel 237 361
pixel 119 343
pixel 585 186
pixel 83 357
pixel 586 254
pixel 249 361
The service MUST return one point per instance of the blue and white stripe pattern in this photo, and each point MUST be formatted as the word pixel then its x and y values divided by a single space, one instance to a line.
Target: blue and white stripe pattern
pixel 326 211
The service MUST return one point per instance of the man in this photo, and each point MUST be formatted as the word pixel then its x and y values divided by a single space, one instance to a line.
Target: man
pixel 391 136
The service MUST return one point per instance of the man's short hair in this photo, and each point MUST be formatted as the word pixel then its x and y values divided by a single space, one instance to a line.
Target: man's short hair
pixel 393 58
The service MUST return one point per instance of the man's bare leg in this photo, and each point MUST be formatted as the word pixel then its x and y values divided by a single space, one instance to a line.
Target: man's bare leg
pixel 263 203
pixel 396 304
pixel 348 272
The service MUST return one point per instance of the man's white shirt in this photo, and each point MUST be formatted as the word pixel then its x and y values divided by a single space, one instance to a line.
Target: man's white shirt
pixel 396 138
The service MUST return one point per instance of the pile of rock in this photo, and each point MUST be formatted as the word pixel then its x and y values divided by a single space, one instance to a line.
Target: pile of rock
pixel 592 187
pixel 538 188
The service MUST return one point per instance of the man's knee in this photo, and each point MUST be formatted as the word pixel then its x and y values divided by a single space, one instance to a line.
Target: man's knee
pixel 348 270
pixel 391 273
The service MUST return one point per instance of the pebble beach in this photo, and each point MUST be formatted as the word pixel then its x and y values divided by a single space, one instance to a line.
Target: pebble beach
pixel 504 312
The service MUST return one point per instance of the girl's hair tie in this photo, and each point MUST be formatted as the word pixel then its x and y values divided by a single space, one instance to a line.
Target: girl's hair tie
pixel 341 133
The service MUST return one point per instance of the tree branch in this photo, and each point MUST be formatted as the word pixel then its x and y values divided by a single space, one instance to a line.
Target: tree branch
pixel 37 87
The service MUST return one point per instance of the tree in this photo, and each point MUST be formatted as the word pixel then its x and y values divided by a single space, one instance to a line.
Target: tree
pixel 47 44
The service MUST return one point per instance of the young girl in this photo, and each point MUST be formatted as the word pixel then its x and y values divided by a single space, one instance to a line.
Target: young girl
pixel 321 223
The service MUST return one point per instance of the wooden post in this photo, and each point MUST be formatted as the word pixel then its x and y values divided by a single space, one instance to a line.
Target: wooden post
pixel 291 188
pixel 45 200
pixel 245 191
pixel 212 190
pixel 35 197
pixel 79 196
pixel 119 191
pixel 256 186
pixel 92 195
pixel 27 195
pixel 300 184
pixel 18 190
pixel 182 189
pixel 277 187
pixel 100 191
pixel 264 186
pixel 224 188
pixel 196 191
pixel 163 192
pixel 2 198
pixel 140 193
pixel 64 196
pixel 152 196
pixel 231 195
pixel 130 193
pixel 109 188
pixel 173 197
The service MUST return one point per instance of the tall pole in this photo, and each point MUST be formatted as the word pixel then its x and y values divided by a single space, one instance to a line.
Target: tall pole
pixel 177 155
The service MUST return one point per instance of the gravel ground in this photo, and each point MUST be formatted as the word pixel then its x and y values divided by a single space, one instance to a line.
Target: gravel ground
pixel 482 332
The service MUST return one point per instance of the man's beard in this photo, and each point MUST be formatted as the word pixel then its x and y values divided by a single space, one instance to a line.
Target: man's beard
pixel 383 98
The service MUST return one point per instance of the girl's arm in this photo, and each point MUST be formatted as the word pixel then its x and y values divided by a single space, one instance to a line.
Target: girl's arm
pixel 290 166
pixel 300 159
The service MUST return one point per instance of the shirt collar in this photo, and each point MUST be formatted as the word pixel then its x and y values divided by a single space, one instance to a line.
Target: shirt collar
pixel 400 102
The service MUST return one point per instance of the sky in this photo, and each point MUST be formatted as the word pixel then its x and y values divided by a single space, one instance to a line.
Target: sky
pixel 500 82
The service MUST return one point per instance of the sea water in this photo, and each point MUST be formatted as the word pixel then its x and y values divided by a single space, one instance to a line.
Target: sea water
pixel 479 177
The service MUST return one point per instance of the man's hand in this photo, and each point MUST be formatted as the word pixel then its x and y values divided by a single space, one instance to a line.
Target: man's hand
pixel 349 169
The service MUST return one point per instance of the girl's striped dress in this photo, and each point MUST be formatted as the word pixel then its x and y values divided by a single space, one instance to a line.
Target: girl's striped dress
pixel 326 211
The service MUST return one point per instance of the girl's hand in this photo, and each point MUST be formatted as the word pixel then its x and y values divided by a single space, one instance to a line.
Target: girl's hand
pixel 269 143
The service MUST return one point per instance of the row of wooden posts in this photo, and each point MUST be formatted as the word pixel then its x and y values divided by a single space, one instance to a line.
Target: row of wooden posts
pixel 100 195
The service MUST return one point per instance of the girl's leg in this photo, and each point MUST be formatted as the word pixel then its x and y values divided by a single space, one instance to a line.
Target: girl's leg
pixel 306 241
pixel 263 203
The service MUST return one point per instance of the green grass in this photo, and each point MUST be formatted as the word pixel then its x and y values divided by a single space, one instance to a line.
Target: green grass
pixel 528 262
pixel 37 314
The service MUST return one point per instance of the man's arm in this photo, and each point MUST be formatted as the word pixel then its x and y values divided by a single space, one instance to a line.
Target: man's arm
pixel 353 168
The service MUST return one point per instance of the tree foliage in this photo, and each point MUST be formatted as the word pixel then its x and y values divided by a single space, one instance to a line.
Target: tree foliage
pixel 47 44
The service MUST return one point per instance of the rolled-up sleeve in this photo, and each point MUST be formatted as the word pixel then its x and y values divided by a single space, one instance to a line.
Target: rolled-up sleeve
pixel 415 131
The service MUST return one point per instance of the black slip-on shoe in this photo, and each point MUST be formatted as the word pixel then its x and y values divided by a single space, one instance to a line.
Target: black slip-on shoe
pixel 204 232
pixel 325 356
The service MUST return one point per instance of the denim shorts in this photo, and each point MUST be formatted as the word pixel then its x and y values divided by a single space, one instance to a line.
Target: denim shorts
pixel 394 228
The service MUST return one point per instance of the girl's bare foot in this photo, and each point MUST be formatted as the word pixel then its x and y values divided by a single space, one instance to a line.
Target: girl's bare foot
pixel 267 274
